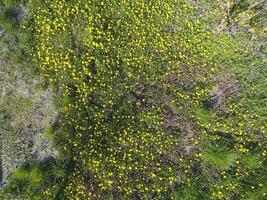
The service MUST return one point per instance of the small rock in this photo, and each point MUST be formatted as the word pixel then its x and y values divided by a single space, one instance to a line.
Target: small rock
pixel 17 13
pixel 2 32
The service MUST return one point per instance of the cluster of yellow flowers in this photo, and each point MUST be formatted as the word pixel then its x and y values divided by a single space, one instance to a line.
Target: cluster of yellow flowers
pixel 123 67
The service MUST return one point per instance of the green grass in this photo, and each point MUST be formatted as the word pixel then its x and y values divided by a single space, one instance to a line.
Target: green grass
pixel 132 82
pixel 220 157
